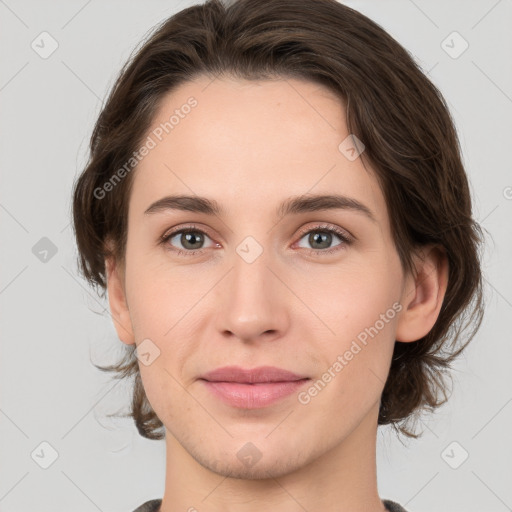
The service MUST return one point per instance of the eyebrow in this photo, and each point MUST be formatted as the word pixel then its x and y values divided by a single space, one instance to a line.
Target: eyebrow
pixel 292 205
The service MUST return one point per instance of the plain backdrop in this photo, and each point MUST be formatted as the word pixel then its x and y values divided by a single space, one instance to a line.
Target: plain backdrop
pixel 54 402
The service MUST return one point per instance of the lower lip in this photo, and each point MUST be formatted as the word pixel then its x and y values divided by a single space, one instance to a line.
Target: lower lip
pixel 253 396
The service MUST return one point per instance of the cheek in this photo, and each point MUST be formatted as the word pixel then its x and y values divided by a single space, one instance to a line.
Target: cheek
pixel 150 311
pixel 357 354
pixel 163 309
pixel 156 297
pixel 360 310
pixel 352 299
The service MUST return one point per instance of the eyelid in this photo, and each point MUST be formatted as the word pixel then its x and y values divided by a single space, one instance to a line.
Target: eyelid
pixel 343 233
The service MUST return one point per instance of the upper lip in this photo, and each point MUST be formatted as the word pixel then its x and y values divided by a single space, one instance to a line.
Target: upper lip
pixel 251 375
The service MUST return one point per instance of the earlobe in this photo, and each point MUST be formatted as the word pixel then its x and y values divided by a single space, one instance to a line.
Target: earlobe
pixel 423 295
pixel 117 301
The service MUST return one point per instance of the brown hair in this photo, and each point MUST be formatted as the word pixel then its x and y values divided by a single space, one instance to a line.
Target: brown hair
pixel 401 117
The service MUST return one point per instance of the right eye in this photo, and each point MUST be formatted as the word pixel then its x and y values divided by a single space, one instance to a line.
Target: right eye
pixel 188 237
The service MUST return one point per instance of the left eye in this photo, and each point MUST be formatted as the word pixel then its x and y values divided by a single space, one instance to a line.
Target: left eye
pixel 323 237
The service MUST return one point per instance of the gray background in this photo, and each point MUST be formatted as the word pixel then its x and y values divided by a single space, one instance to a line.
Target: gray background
pixel 52 324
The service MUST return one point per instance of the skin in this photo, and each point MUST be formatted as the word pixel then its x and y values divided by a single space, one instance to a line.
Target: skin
pixel 249 145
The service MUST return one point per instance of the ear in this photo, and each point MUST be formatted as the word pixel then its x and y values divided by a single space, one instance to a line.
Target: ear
pixel 423 294
pixel 117 300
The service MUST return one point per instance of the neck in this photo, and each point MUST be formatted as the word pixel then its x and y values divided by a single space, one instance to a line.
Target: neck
pixel 343 478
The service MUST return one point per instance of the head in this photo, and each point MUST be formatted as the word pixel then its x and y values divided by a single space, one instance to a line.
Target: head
pixel 251 106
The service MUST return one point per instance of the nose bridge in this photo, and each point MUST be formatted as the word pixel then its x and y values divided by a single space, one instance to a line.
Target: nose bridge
pixel 251 277
pixel 252 303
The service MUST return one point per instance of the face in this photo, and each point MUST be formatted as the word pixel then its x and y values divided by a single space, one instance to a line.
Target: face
pixel 316 292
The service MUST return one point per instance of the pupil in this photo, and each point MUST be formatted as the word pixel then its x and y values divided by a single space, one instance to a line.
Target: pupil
pixel 324 236
pixel 191 238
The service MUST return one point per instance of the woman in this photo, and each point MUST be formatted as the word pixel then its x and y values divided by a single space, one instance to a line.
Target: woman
pixel 276 204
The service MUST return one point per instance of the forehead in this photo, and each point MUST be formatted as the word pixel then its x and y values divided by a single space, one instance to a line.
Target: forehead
pixel 251 144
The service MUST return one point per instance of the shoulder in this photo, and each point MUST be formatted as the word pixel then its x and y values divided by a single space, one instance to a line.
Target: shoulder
pixel 154 505
pixel 149 506
pixel 391 506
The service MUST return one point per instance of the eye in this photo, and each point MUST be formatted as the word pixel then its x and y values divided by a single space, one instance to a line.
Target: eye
pixel 321 237
pixel 192 240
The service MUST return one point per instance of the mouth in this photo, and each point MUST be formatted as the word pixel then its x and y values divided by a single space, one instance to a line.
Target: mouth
pixel 252 388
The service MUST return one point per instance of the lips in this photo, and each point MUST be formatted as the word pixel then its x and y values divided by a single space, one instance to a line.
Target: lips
pixel 261 374
pixel 254 388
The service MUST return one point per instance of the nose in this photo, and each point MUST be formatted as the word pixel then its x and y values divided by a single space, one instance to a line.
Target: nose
pixel 252 301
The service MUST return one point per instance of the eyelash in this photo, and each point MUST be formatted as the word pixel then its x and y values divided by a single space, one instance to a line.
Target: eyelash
pixel 320 229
